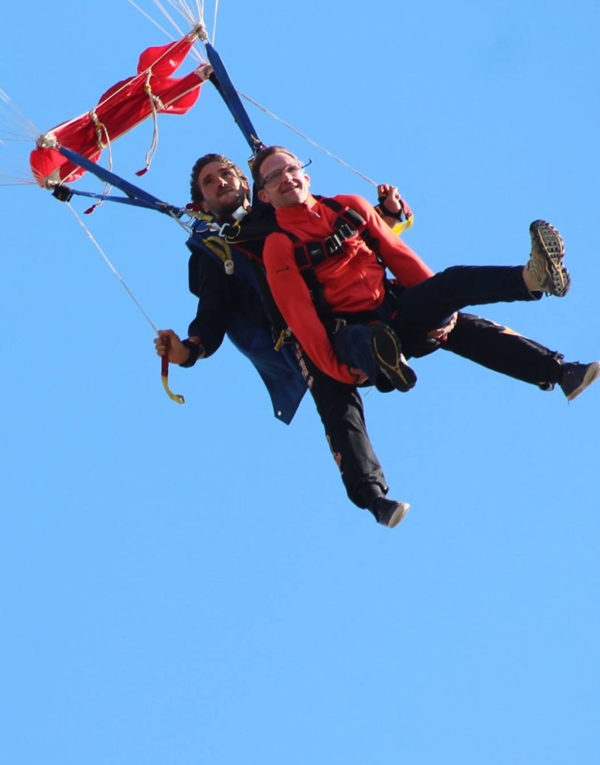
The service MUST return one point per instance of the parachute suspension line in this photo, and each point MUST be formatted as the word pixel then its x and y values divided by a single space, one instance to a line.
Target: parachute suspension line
pixel 167 15
pixel 191 15
pixel 16 116
pixel 13 167
pixel 150 19
pixel 164 371
pixel 214 34
pixel 193 19
pixel 182 8
pixel 187 227
pixel 16 131
pixel 309 140
pixel 112 268
pixel 193 52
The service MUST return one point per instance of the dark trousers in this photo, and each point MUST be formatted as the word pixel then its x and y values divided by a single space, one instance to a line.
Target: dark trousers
pixel 412 312
pixel 341 410
pixel 503 350
pixel 480 340
pixel 428 304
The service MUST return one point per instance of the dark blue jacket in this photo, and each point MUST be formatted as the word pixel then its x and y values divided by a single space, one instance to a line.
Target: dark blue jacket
pixel 232 305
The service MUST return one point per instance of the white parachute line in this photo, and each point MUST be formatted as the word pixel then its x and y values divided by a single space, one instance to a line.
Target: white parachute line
pixel 17 171
pixel 187 227
pixel 17 116
pixel 151 20
pixel 214 32
pixel 195 10
pixel 194 52
pixel 309 140
pixel 167 15
pixel 14 163
pixel 112 268
pixel 14 177
pixel 11 137
pixel 186 10
pixel 25 128
pixel 183 9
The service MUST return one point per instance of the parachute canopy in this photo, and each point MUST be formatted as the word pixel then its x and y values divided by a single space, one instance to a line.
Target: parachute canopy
pixel 121 108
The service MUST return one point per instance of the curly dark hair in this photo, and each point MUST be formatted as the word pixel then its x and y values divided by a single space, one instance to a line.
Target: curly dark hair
pixel 206 159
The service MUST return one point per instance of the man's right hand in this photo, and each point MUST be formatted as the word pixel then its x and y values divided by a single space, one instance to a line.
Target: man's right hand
pixel 168 344
pixel 361 377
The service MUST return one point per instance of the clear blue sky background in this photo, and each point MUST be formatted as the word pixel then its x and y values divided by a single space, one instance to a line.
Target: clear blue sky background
pixel 190 584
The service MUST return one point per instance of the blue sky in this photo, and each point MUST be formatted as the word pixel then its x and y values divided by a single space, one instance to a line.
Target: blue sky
pixel 190 584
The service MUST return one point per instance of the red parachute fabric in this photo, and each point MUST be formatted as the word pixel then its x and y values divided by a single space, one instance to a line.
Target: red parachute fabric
pixel 121 108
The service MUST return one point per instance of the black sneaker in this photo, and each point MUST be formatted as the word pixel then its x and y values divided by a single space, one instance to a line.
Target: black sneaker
pixel 390 359
pixel 576 377
pixel 546 261
pixel 388 512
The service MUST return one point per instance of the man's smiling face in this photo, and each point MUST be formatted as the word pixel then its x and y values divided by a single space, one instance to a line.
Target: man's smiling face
pixel 283 181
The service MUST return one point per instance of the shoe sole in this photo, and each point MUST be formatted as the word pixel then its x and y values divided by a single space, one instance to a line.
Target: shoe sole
pixel 593 373
pixel 390 360
pixel 548 247
pixel 398 515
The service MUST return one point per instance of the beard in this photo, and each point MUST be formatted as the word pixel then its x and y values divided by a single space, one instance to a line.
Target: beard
pixel 230 204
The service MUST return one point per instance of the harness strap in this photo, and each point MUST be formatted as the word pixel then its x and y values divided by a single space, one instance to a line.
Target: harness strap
pixel 348 224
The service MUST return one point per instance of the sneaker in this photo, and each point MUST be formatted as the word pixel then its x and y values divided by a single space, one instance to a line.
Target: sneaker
pixel 390 359
pixel 576 377
pixel 546 261
pixel 388 512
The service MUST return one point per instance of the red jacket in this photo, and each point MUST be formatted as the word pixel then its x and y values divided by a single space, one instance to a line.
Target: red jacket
pixel 352 281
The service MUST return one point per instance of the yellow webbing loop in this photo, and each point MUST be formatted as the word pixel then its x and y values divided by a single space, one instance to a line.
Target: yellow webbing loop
pixel 176 397
pixel 400 228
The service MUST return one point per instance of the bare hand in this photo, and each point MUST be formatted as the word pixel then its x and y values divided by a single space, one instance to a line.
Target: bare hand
pixel 392 201
pixel 441 333
pixel 168 344
pixel 361 377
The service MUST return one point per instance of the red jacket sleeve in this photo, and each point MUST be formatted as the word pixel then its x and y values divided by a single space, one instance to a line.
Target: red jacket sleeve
pixel 403 262
pixel 297 308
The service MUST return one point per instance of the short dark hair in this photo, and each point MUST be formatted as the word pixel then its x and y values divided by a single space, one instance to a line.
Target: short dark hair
pixel 264 154
pixel 206 159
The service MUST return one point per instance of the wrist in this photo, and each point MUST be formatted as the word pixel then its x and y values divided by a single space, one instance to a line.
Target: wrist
pixel 194 352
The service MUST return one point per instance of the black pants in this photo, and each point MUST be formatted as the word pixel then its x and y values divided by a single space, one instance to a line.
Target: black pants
pixel 341 410
pixel 416 310
pixel 503 350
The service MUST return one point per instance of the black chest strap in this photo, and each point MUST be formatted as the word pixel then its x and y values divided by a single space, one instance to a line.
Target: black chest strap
pixel 349 223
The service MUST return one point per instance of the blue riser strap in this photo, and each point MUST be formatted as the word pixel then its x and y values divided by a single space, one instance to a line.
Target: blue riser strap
pixel 229 95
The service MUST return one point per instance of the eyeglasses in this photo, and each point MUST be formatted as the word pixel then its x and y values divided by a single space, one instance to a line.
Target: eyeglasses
pixel 293 169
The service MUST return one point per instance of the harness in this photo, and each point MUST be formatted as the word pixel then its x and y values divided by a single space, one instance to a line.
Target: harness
pixel 347 225
pixel 308 255
pixel 249 234
pixel 250 325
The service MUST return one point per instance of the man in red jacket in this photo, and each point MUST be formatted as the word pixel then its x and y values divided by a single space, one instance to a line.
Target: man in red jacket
pixel 326 267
